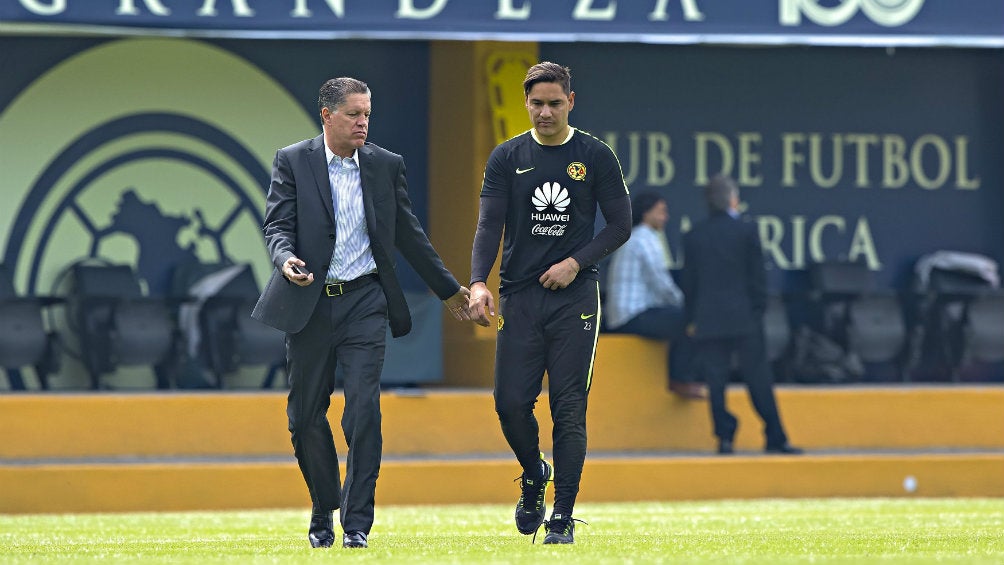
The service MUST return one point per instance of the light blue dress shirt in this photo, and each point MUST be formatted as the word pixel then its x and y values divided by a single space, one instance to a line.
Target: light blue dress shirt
pixel 352 257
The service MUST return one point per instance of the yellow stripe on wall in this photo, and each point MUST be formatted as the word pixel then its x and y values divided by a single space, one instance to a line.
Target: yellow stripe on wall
pixel 505 71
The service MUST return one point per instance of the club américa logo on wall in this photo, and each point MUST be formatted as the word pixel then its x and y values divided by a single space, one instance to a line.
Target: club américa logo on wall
pixel 156 164
pixel 550 202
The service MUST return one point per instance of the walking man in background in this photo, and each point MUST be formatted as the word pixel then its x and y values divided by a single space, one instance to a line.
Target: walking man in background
pixel 541 188
pixel 641 296
pixel 725 286
pixel 337 207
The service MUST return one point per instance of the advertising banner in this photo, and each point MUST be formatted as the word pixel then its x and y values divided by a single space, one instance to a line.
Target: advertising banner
pixel 978 23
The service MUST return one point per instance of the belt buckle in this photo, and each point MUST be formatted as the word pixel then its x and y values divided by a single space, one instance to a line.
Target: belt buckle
pixel 331 290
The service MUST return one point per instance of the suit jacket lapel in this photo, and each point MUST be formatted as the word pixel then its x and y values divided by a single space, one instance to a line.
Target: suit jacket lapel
pixel 319 166
pixel 368 181
pixel 397 305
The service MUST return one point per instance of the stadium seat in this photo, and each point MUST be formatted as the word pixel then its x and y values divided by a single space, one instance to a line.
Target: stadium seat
pixel 982 355
pixel 24 340
pixel 868 323
pixel 216 321
pixel 835 284
pixel 942 311
pixel 841 279
pixel 116 325
pixel 877 334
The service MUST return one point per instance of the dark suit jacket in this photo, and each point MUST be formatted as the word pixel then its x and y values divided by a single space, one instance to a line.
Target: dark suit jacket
pixel 723 278
pixel 299 220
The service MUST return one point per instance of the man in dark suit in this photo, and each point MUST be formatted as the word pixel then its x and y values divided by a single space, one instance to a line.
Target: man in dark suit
pixel 725 286
pixel 337 208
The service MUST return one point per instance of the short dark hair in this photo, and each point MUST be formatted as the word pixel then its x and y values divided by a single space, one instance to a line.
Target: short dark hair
pixel 719 191
pixel 334 92
pixel 643 202
pixel 548 72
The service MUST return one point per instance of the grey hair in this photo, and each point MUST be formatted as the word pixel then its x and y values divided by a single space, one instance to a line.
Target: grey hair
pixel 334 92
pixel 719 192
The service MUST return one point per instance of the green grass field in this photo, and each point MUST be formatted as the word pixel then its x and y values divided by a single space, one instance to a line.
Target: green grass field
pixel 907 531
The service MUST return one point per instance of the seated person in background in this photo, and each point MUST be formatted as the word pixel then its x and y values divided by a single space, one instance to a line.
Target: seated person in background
pixel 641 296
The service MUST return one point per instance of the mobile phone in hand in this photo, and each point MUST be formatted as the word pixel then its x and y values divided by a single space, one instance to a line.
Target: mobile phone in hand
pixel 298 269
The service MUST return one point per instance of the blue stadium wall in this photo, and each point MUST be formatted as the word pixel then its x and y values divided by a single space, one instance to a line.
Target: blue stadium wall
pixel 864 154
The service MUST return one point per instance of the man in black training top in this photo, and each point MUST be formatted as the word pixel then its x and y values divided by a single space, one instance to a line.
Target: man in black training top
pixel 543 187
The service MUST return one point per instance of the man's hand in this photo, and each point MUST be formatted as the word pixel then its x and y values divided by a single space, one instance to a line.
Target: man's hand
pixel 295 270
pixel 482 304
pixel 459 305
pixel 560 275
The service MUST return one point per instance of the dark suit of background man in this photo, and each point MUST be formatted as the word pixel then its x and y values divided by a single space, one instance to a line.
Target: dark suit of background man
pixel 725 286
pixel 337 208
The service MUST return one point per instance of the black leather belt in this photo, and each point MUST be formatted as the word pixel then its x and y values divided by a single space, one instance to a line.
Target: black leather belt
pixel 340 288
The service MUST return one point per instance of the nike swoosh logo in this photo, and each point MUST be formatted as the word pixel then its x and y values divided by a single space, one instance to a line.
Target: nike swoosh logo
pixel 586 316
pixel 521 171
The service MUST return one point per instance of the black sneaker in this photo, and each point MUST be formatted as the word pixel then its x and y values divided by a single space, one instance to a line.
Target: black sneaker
pixel 560 529
pixel 530 509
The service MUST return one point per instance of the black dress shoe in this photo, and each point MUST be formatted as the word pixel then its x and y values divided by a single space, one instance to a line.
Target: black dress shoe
pixel 321 533
pixel 354 538
pixel 321 538
pixel 725 447
pixel 784 449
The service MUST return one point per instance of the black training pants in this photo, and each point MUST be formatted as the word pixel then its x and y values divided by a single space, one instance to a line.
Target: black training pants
pixel 555 331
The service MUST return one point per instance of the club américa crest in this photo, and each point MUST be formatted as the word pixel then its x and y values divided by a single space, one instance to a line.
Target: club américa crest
pixel 576 170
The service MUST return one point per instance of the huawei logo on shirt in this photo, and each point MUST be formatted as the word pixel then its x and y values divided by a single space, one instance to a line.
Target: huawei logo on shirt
pixel 551 194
